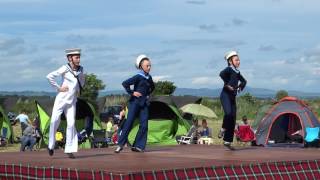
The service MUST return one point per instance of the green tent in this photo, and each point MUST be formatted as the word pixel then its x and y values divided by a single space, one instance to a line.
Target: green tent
pixel 165 122
pixel 5 126
pixel 84 109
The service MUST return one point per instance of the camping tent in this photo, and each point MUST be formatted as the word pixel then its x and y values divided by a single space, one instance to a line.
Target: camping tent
pixel 261 113
pixel 5 125
pixel 180 101
pixel 165 122
pixel 83 110
pixel 285 117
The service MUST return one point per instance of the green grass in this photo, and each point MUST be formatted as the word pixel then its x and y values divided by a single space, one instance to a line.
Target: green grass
pixel 10 148
pixel 246 106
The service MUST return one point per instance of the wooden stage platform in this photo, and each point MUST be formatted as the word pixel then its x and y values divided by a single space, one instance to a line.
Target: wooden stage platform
pixel 169 162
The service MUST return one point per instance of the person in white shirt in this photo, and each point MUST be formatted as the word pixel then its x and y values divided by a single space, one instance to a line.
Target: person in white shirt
pixel 23 120
pixel 72 83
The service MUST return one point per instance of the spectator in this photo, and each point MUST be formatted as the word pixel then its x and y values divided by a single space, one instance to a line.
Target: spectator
pixel 60 142
pixel 37 130
pixel 193 132
pixel 245 121
pixel 205 130
pixel 122 116
pixel 28 139
pixel 24 120
pixel 109 127
pixel 295 137
pixel 115 134
pixel 244 132
pixel 205 133
pixel 122 120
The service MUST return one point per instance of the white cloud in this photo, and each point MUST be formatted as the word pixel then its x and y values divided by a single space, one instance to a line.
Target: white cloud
pixel 177 38
pixel 204 80
pixel 22 1
pixel 161 78
pixel 280 81
pixel 146 30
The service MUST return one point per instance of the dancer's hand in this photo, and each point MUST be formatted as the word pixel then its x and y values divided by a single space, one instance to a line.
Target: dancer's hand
pixel 230 87
pixel 63 89
pixel 136 94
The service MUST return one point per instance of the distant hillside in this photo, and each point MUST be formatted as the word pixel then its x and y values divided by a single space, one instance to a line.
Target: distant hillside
pixel 257 92
pixel 202 92
pixel 27 93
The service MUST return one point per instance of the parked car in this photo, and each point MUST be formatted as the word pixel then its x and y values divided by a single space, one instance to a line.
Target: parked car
pixel 111 111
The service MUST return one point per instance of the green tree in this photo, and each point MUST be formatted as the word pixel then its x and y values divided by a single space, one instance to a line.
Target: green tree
pixel 27 105
pixel 247 97
pixel 164 88
pixel 281 94
pixel 91 88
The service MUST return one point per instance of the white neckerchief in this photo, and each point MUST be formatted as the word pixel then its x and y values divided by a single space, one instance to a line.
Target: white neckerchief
pixel 74 72
pixel 143 74
pixel 234 69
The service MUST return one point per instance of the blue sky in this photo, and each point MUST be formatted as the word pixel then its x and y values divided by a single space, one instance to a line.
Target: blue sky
pixel 278 41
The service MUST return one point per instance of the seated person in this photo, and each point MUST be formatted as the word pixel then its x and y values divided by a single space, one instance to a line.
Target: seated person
pixel 193 132
pixel 59 140
pixel 109 127
pixel 38 134
pixel 295 137
pixel 28 139
pixel 114 137
pixel 3 141
pixel 86 132
pixel 244 136
pixel 3 137
pixel 244 121
pixel 205 133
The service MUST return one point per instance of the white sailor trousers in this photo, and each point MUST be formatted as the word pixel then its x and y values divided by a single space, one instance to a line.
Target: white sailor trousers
pixel 71 133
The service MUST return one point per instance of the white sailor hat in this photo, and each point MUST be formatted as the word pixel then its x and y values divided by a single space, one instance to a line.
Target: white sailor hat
pixel 73 51
pixel 229 54
pixel 139 59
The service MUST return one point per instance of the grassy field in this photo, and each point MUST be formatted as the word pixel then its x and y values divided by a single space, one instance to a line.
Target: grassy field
pixel 214 124
pixel 247 105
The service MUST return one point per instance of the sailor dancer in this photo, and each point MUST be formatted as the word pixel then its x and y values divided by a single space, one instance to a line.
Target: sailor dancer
pixel 138 105
pixel 231 77
pixel 65 101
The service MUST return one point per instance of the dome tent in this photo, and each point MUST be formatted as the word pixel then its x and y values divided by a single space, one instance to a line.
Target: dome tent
pixel 83 109
pixel 285 117
pixel 164 124
pixel 5 126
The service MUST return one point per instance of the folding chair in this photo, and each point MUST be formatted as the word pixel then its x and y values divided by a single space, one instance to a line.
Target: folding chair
pixel 99 139
pixel 206 139
pixel 189 138
pixel 186 140
pixel 312 137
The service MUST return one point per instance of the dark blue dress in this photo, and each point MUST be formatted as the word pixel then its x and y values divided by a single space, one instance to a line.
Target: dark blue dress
pixel 143 84
pixel 232 78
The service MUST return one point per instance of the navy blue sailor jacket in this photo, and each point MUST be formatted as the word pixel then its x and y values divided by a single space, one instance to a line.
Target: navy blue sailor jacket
pixel 231 77
pixel 142 84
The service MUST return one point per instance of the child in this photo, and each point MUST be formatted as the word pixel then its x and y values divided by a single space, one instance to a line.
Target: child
pixel 205 133
pixel 231 77
pixel 73 81
pixel 243 131
pixel 138 104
